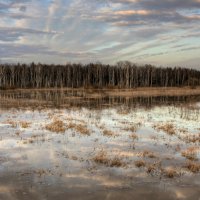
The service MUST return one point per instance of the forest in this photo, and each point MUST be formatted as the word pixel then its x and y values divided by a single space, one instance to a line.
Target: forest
pixel 95 75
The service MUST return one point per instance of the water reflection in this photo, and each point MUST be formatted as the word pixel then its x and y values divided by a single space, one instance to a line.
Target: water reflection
pixel 80 98
pixel 36 163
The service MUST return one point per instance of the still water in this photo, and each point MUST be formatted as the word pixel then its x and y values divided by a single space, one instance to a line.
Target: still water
pixel 71 145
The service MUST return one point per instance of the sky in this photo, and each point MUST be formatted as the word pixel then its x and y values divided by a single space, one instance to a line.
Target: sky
pixel 158 32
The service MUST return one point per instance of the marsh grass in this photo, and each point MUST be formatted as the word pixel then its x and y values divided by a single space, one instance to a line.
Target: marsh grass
pixel 133 136
pixel 17 133
pixel 133 128
pixel 190 153
pixel 140 163
pixel 25 124
pixel 151 169
pixel 193 167
pixel 102 158
pixel 80 128
pixel 149 154
pixel 193 138
pixel 12 123
pixel 170 172
pixel 167 128
pixel 57 126
pixel 108 133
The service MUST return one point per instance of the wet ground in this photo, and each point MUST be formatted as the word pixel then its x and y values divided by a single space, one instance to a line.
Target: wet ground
pixel 144 148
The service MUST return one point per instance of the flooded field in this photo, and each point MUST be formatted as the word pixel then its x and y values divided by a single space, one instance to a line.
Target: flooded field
pixel 76 145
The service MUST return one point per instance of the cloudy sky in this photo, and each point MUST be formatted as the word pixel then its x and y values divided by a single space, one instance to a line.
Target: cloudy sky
pixel 160 32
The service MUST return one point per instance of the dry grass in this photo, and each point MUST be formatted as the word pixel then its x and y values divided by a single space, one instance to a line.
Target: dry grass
pixel 25 124
pixel 151 168
pixel 108 133
pixel 190 153
pixel 57 126
pixel 123 111
pixel 170 172
pixel 148 154
pixel 193 138
pixel 140 163
pixel 41 172
pixel 17 133
pixel 133 128
pixel 102 158
pixel 74 158
pixel 82 129
pixel 133 136
pixel 193 167
pixel 116 162
pixel 12 123
pixel 167 128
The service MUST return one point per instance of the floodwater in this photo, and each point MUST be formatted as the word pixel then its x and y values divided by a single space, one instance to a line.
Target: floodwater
pixel 56 145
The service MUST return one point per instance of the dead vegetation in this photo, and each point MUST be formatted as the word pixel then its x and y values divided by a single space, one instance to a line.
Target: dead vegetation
pixel 193 167
pixel 80 128
pixel 149 154
pixel 17 133
pixel 108 133
pixel 12 123
pixel 25 124
pixel 193 138
pixel 133 128
pixel 102 158
pixel 140 163
pixel 133 136
pixel 190 153
pixel 123 111
pixel 167 128
pixel 153 168
pixel 57 126
pixel 170 172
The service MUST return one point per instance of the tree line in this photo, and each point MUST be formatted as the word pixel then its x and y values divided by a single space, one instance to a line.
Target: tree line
pixel 95 75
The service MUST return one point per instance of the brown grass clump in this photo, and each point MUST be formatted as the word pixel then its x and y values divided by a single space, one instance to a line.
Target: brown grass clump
pixel 170 172
pixel 12 123
pixel 190 153
pixel 151 168
pixel 123 111
pixel 116 162
pixel 57 126
pixel 133 128
pixel 148 154
pixel 140 163
pixel 108 133
pixel 24 124
pixel 17 133
pixel 167 128
pixel 193 138
pixel 193 167
pixel 41 172
pixel 133 136
pixel 82 129
pixel 74 158
pixel 102 158
pixel 79 128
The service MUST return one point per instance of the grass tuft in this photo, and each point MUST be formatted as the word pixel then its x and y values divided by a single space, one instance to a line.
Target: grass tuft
pixel 193 167
pixel 140 163
pixel 57 126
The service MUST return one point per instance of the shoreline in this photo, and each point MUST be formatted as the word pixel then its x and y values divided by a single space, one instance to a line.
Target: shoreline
pixel 136 92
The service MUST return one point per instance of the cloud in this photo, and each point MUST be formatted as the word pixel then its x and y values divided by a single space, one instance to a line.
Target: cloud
pixel 103 30
pixel 16 50
pixel 14 34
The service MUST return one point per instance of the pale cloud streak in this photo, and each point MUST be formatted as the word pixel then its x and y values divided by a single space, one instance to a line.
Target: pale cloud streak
pixel 58 31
